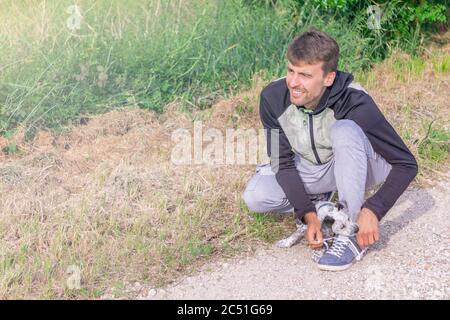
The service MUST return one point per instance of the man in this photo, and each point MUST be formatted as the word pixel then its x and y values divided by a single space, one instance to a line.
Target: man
pixel 325 133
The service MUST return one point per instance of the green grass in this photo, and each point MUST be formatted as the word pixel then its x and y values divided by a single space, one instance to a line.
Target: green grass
pixel 441 63
pixel 435 146
pixel 404 69
pixel 266 227
pixel 147 53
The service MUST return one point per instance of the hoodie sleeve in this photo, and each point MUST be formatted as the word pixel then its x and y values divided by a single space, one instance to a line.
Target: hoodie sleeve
pixel 387 143
pixel 282 161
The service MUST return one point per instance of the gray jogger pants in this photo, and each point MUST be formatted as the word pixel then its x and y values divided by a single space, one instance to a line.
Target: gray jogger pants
pixel 354 168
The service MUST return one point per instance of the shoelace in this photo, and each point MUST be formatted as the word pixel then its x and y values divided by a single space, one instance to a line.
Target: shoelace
pixel 341 243
pixel 317 254
pixel 337 248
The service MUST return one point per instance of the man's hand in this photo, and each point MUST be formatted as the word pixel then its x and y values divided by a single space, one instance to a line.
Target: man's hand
pixel 368 228
pixel 313 234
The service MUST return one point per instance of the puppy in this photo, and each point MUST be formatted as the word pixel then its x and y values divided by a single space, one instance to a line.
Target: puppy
pixel 334 221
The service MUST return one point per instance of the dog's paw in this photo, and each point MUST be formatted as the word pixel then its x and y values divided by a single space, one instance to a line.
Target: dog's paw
pixel 293 239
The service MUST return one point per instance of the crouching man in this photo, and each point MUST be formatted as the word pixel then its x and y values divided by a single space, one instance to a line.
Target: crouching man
pixel 325 133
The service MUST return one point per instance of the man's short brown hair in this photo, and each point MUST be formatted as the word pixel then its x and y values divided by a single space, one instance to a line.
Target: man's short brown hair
pixel 314 46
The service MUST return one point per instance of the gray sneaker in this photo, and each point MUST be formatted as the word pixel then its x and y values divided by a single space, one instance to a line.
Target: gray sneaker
pixel 343 252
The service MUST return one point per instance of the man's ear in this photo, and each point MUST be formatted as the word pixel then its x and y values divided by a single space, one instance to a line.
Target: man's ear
pixel 329 79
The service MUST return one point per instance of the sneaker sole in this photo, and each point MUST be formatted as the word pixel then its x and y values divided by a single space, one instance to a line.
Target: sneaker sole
pixel 334 268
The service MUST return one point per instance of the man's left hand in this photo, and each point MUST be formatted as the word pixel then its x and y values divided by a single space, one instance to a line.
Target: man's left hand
pixel 368 228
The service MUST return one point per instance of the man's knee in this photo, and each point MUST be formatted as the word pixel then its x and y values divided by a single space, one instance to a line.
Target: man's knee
pixel 346 133
pixel 254 201
pixel 262 201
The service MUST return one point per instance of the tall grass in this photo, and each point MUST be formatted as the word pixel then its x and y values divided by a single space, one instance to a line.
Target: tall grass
pixel 144 52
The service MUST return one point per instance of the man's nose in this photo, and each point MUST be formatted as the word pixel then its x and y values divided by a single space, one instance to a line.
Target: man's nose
pixel 295 82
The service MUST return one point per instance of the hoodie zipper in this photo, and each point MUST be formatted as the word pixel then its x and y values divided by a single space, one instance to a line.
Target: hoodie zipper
pixel 311 135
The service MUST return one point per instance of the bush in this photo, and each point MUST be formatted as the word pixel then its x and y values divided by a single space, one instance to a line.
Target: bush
pixel 401 23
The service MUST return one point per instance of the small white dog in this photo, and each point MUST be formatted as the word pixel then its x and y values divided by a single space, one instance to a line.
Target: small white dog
pixel 334 221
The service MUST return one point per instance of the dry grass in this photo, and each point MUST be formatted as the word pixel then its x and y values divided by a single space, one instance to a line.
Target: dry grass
pixel 106 198
pixel 414 94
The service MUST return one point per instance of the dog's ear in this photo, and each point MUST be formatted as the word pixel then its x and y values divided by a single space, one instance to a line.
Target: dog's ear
pixel 339 206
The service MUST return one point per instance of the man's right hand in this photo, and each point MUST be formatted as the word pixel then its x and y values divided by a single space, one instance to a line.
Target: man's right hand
pixel 313 234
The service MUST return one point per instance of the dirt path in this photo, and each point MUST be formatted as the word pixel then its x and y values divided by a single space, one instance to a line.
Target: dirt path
pixel 410 261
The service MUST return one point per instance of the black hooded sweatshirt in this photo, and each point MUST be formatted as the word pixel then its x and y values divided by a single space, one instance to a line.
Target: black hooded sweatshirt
pixel 347 103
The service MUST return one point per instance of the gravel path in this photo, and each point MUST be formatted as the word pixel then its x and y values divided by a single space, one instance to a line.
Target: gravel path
pixel 411 261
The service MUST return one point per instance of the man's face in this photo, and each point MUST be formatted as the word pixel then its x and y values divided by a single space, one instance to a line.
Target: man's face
pixel 307 83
